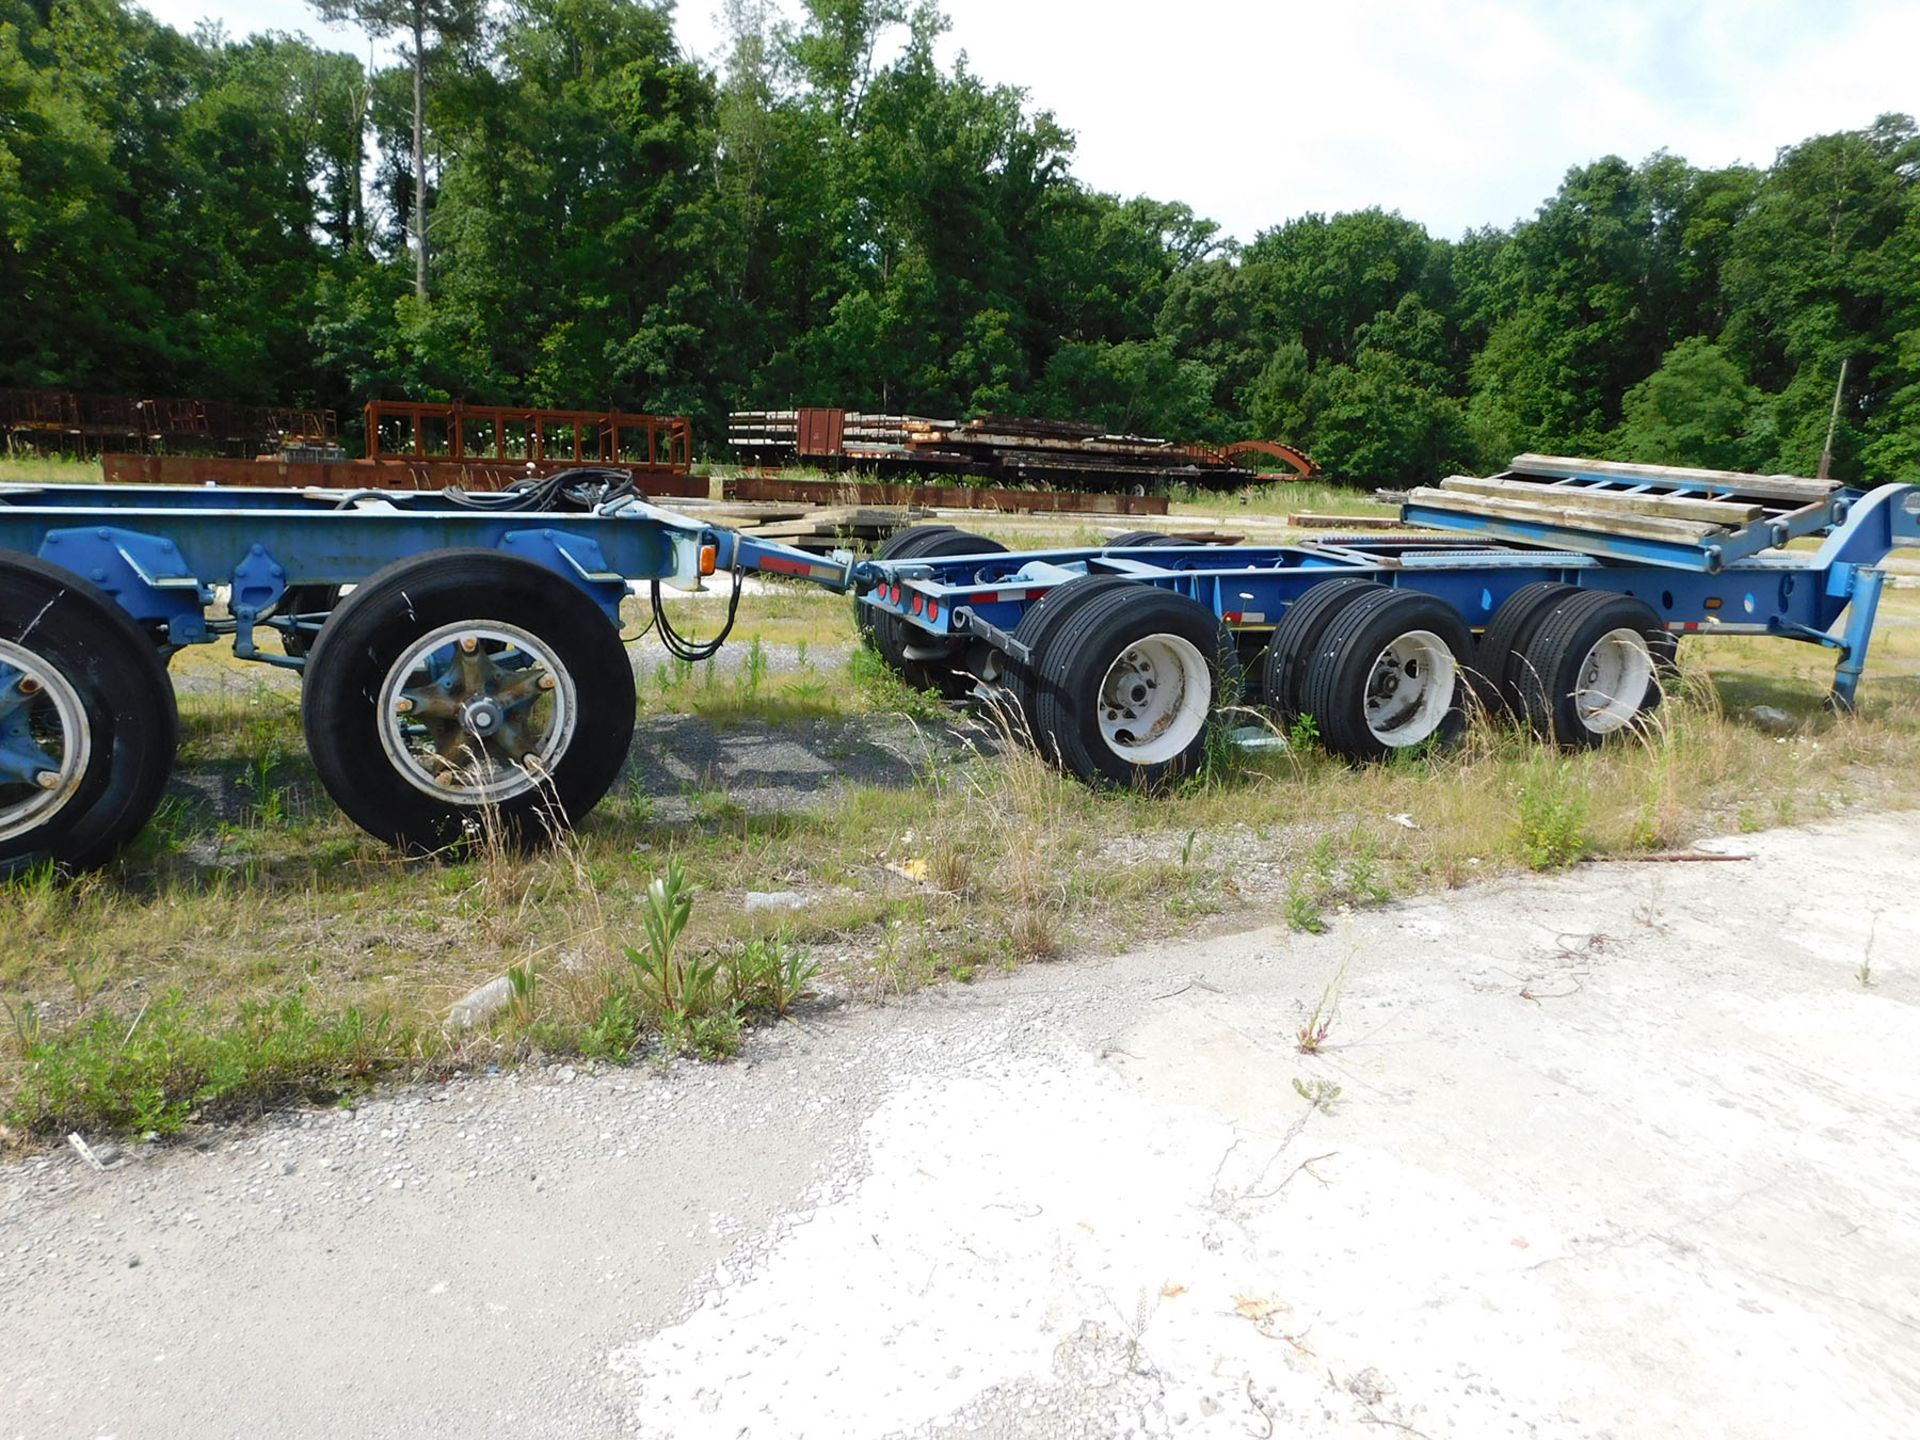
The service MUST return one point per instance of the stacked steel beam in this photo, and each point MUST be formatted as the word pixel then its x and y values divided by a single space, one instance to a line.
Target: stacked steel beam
pixel 1008 449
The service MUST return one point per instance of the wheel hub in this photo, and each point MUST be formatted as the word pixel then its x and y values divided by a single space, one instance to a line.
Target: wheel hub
pixel 1409 689
pixel 476 712
pixel 1613 680
pixel 1154 699
pixel 45 741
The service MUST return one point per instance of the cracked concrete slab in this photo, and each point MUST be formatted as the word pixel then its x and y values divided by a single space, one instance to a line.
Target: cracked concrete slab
pixel 1623 1152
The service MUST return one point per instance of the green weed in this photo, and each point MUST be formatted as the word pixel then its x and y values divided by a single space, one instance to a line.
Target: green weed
pixel 1551 815
pixel 173 1062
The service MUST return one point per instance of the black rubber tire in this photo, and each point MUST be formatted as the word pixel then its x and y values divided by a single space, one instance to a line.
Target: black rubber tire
pixel 1342 661
pixel 1283 673
pixel 892 634
pixel 1129 538
pixel 1547 671
pixel 1495 683
pixel 405 601
pixel 1075 657
pixel 1039 621
pixel 305 600
pixel 127 702
pixel 889 548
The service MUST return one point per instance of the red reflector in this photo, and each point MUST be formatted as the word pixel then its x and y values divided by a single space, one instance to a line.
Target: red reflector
pixel 933 609
pixel 919 602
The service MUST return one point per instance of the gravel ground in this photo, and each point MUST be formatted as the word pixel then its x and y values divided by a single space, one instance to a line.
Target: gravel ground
pixel 1625 1152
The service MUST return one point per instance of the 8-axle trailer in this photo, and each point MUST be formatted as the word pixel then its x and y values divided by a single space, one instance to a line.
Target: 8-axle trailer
pixel 473 673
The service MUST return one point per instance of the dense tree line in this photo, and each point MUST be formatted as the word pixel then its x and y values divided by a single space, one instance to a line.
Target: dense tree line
pixel 836 218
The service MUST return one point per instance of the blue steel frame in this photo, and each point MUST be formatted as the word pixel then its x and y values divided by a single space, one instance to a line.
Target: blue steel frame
pixel 159 550
pixel 1792 594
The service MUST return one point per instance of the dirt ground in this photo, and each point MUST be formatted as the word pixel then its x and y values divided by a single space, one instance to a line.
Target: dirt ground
pixel 1624 1152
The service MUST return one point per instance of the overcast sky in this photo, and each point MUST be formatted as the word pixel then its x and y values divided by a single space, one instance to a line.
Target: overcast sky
pixel 1455 114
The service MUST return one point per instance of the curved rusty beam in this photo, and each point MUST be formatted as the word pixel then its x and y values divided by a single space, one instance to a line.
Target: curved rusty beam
pixel 1301 463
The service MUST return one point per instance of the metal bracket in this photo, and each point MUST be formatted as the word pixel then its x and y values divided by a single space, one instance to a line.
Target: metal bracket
pixel 965 620
pixel 577 558
pixel 145 573
pixel 259 582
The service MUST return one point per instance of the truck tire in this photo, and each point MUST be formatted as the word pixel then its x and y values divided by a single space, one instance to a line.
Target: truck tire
pixel 1495 683
pixel 88 726
pixel 467 689
pixel 1388 675
pixel 1128 683
pixel 1039 621
pixel 1592 668
pixel 1283 674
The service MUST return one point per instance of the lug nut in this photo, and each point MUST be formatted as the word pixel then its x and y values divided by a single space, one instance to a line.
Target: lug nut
pixel 547 682
pixel 469 644
pixel 48 779
pixel 403 706
pixel 29 685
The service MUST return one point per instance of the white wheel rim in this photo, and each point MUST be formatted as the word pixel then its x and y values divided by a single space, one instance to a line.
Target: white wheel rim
pixel 45 741
pixel 476 714
pixel 1612 683
pixel 1410 688
pixel 1154 699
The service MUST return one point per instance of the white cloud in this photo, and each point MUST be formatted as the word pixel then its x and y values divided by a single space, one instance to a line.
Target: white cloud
pixel 1456 115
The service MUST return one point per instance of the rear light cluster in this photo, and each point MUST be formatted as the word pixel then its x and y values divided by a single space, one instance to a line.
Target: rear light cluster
pixel 890 594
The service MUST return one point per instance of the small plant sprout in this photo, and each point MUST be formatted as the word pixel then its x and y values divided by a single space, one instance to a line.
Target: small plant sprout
pixel 1319 1094
pixel 1303 909
pixel 669 907
pixel 524 983
pixel 1319 1024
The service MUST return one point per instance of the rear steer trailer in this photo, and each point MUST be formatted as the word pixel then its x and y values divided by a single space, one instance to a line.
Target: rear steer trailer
pixel 475 673
pixel 1558 605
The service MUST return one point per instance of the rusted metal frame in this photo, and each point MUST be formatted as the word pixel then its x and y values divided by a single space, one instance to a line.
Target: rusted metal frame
pixel 669 438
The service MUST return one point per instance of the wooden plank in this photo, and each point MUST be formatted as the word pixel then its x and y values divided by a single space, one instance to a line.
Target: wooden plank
pixel 1309 520
pixel 1566 517
pixel 1733 482
pixel 1671 507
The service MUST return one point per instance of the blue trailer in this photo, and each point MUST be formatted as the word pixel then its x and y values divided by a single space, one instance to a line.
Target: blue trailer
pixel 474 672
pixel 1556 601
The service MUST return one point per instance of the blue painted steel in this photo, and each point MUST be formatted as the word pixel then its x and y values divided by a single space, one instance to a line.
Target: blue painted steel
pixel 1796 595
pixel 159 550
pixel 21 758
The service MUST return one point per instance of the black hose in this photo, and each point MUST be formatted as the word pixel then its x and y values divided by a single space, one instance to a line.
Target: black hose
pixel 586 488
pixel 579 490
pixel 677 644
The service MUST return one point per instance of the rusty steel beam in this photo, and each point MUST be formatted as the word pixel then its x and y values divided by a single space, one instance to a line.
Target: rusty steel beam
pixel 433 474
pixel 955 497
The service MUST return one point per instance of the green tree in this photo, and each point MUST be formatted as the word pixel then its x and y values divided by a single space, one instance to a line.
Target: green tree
pixel 427 28
pixel 1693 410
pixel 1822 268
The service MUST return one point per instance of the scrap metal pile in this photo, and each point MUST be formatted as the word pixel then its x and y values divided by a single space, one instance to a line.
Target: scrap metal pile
pixel 1007 449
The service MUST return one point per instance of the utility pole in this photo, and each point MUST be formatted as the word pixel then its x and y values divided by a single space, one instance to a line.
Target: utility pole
pixel 1826 453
